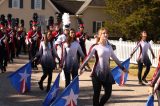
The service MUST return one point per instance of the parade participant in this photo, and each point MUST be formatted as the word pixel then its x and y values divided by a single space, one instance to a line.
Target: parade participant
pixel 81 37
pixel 62 38
pixel 34 36
pixel 9 33
pixel 101 74
pixel 12 29
pixel 9 19
pixel 56 29
pixel 69 60
pixel 143 57
pixel 59 42
pixel 21 34
pixel 17 37
pixel 158 66
pixel 13 37
pixel 3 48
pixel 50 25
pixel 6 58
pixel 56 32
pixel 47 55
pixel 155 84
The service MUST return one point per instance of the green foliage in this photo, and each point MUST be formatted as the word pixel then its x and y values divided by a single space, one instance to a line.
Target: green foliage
pixel 127 18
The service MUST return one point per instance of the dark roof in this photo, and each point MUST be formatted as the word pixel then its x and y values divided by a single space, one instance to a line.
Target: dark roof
pixel 70 7
pixel 97 3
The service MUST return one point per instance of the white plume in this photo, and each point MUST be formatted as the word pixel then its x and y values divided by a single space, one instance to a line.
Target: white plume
pixel 66 20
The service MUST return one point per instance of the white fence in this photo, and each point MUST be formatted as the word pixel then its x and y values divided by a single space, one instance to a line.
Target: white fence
pixel 124 49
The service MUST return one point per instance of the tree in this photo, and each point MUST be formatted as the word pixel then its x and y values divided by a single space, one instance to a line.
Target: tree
pixel 127 18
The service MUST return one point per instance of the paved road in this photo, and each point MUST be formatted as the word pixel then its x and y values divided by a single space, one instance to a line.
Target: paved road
pixel 131 94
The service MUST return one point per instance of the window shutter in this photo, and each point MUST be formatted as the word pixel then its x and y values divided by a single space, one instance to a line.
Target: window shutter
pixel 94 27
pixel 10 3
pixel 103 23
pixel 43 4
pixel 32 4
pixel 21 3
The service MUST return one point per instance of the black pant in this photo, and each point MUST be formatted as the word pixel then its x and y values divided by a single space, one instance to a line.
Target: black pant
pixel 32 53
pixel 12 51
pixel 140 68
pixel 97 84
pixel 67 73
pixel 22 45
pixel 47 72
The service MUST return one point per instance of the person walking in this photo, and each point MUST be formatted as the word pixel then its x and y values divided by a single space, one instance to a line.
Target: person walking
pixel 34 36
pixel 155 86
pixel 155 82
pixel 143 57
pixel 101 74
pixel 47 55
pixel 82 37
pixel 70 61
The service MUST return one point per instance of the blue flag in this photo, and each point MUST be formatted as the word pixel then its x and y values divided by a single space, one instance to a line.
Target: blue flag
pixel 119 76
pixel 53 93
pixel 21 79
pixel 69 95
pixel 150 101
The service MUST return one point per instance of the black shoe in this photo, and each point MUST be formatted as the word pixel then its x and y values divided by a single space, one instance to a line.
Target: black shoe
pixel 40 85
pixel 141 83
pixel 4 69
pixel 145 80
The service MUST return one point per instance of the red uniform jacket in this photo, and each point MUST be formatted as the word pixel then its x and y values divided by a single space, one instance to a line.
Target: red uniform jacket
pixel 32 35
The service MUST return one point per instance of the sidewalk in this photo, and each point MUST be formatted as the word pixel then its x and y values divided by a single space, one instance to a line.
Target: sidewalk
pixel 131 94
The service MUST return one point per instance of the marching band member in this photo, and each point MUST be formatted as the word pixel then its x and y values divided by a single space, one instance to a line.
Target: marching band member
pixel 21 34
pixel 3 48
pixel 82 37
pixel 70 61
pixel 62 38
pixel 47 54
pixel 101 74
pixel 143 57
pixel 9 33
pixel 34 36
pixel 56 32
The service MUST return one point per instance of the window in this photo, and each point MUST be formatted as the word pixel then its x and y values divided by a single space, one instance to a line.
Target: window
pixel 37 4
pixel 15 4
pixel 97 25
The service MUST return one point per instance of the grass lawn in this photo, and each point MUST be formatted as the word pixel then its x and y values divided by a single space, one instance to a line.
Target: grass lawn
pixel 133 70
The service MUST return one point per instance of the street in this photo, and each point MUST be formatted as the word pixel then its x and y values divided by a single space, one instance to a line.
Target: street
pixel 131 94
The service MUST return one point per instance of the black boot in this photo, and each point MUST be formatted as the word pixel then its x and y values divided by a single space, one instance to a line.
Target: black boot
pixel 40 85
pixel 4 69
